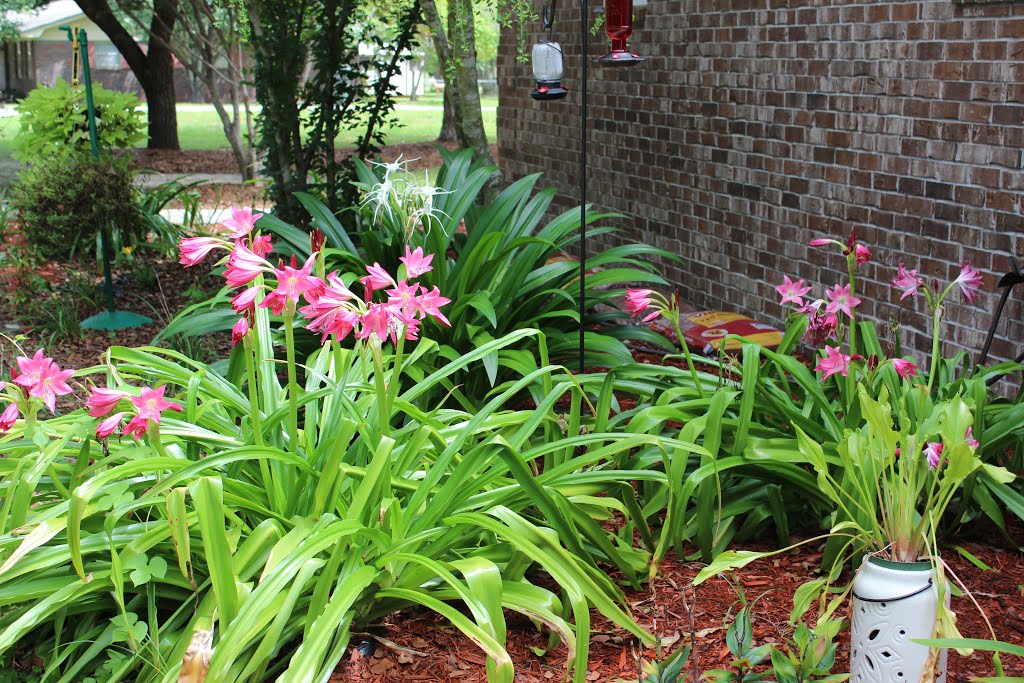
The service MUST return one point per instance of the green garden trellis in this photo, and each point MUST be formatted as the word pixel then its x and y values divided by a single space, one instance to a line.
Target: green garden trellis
pixel 110 319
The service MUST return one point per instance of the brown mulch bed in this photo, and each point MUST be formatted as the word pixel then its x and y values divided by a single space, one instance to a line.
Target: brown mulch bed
pixel 442 653
pixel 420 155
pixel 169 294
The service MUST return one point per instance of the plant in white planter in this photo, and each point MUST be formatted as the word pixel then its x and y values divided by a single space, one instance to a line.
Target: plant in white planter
pixel 906 449
pixel 898 479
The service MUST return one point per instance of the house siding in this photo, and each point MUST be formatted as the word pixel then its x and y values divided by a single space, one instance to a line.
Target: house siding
pixel 756 126
pixel 53 61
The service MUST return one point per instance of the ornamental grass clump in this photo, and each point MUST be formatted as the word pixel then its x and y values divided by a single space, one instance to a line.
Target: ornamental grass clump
pixel 239 522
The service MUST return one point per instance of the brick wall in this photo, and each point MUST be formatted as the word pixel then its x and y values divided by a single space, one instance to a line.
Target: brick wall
pixel 757 126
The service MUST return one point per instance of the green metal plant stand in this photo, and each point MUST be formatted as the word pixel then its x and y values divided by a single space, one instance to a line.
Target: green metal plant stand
pixel 110 319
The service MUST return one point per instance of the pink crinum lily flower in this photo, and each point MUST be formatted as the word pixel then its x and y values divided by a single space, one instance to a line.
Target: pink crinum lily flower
pixel 403 296
pixel 637 301
pixel 194 249
pixel 375 322
pixel 241 222
pixel 376 278
pixel 835 361
pixel 292 283
pixel 416 263
pixel 792 292
pixel 969 281
pixel 332 310
pixel 933 452
pixel 244 266
pixel 430 304
pixel 907 282
pixel 261 246
pixel 109 426
pixel 101 401
pixel 840 299
pixel 904 368
pixel 42 378
pixel 245 300
pixel 150 404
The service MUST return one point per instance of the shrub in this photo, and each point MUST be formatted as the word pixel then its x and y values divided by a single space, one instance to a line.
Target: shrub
pixel 55 118
pixel 64 199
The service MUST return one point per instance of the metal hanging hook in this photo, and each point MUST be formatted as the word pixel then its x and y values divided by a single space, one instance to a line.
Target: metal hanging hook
pixel 548 15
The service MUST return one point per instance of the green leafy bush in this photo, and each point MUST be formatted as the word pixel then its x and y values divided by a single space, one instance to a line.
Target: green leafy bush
pixel 65 198
pixel 55 118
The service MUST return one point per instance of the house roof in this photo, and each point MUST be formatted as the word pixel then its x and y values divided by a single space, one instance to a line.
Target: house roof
pixel 34 24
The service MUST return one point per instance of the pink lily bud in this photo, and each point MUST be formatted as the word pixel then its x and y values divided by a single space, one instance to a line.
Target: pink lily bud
pixel 110 425
pixel 239 331
pixel 9 417
pixel 101 401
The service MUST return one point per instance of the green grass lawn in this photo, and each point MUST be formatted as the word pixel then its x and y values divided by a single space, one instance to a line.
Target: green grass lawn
pixel 200 128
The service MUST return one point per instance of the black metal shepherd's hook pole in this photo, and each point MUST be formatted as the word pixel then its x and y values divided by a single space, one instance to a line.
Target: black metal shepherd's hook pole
pixel 584 45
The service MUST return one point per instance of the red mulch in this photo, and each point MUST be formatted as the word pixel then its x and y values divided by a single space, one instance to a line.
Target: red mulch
pixel 444 654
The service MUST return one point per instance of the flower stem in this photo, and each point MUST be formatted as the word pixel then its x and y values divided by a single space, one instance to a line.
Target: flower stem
pixel 153 434
pixel 30 421
pixel 293 387
pixel 254 399
pixel 851 268
pixel 686 354
pixel 934 366
pixel 257 424
pixel 383 410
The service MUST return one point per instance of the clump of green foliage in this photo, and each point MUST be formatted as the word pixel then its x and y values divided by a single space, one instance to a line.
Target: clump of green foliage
pixel 55 118
pixel 64 199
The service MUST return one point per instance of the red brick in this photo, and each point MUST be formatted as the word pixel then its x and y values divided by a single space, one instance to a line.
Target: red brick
pixel 786 123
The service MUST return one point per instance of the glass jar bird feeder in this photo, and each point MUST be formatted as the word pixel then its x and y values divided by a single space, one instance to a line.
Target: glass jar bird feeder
pixel 618 25
pixel 547 71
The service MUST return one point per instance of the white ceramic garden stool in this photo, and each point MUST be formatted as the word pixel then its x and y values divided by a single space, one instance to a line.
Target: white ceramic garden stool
pixel 894 602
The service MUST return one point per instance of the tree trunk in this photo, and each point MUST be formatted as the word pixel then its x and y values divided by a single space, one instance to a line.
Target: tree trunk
pixel 158 83
pixel 456 51
pixel 448 132
pixel 462 39
pixel 159 78
pixel 154 71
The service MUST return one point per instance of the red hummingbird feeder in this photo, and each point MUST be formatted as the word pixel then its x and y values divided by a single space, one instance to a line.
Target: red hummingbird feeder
pixel 618 25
